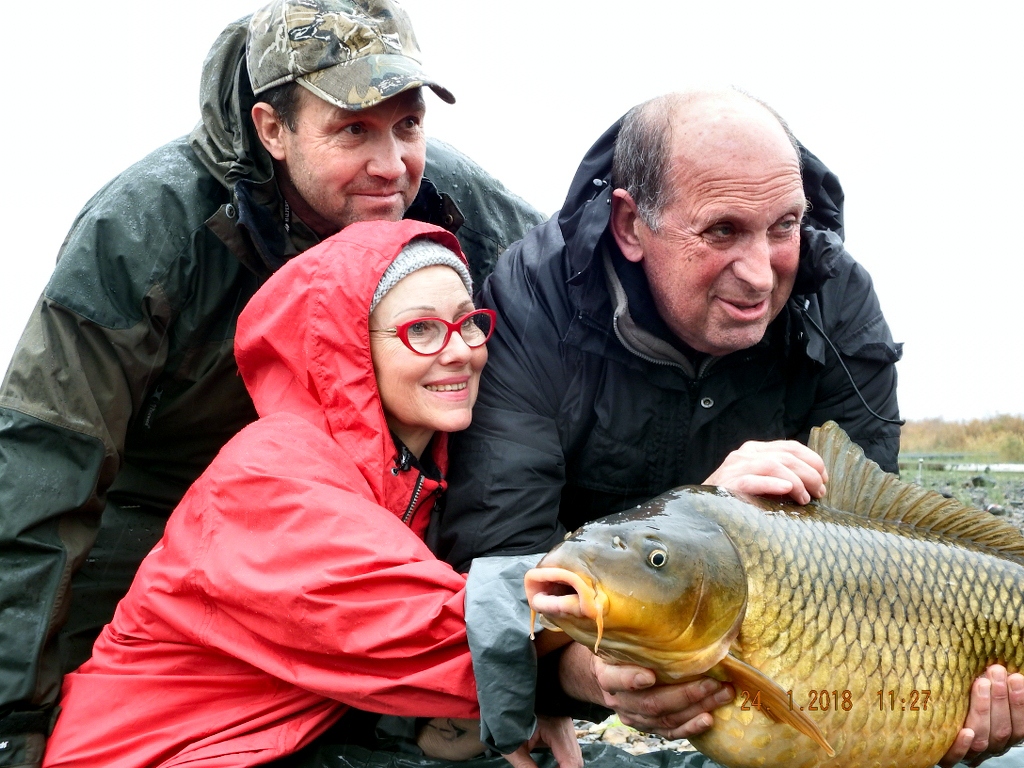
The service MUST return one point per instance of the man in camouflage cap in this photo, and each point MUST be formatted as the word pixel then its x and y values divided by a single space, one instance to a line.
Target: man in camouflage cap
pixel 354 55
pixel 124 384
pixel 349 59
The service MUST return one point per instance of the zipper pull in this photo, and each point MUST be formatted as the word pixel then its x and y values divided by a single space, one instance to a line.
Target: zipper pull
pixel 154 403
pixel 402 461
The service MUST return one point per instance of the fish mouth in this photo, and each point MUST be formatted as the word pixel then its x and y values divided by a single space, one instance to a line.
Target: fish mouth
pixel 557 593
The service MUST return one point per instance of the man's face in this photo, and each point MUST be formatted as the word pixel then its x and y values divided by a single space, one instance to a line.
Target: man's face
pixel 338 166
pixel 724 258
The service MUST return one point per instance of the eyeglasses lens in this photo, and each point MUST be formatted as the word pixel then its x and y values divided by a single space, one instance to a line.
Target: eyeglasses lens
pixel 475 329
pixel 428 336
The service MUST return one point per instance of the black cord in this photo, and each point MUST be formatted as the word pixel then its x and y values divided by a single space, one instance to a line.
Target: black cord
pixel 849 375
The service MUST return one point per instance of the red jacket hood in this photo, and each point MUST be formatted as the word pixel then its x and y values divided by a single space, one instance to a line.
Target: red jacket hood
pixel 303 343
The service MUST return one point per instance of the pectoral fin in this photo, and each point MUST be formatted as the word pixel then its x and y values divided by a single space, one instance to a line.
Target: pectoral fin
pixel 774 702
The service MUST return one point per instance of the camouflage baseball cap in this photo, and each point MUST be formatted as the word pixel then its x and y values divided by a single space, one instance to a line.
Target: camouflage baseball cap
pixel 351 53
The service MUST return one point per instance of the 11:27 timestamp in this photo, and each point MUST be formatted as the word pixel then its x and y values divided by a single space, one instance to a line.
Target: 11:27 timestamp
pixel 916 701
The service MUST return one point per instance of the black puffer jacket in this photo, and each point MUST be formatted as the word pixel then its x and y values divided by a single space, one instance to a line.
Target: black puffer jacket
pixel 586 408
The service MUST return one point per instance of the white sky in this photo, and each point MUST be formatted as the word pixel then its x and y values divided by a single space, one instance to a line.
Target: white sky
pixel 918 110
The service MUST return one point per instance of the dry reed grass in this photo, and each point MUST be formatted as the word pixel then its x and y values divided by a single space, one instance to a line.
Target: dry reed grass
pixel 1000 438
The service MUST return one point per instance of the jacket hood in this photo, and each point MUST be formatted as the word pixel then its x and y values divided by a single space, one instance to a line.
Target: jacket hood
pixel 225 139
pixel 303 342
pixel 226 143
pixel 583 218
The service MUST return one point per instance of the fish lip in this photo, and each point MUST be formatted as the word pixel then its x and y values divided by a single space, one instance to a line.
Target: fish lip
pixel 537 579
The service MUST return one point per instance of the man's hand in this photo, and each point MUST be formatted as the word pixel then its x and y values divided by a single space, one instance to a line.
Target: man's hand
pixel 776 468
pixel 676 711
pixel 559 734
pixel 995 721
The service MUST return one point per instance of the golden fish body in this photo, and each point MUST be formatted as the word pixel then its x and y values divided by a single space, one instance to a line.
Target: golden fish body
pixel 856 624
pixel 874 634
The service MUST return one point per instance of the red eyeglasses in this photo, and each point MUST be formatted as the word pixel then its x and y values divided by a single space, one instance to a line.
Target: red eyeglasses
pixel 429 335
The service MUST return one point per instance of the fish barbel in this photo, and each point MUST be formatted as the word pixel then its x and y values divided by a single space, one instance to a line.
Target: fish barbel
pixel 851 628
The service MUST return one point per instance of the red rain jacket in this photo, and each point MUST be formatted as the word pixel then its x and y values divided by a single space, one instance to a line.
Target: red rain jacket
pixel 291 581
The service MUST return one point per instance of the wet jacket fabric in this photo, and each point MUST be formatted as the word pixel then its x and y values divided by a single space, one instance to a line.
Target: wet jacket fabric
pixel 124 385
pixel 292 580
pixel 588 405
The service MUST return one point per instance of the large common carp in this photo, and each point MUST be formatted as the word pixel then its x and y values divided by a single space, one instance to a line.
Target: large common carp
pixel 851 628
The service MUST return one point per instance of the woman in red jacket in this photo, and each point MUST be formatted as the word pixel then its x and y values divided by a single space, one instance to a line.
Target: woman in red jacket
pixel 292 581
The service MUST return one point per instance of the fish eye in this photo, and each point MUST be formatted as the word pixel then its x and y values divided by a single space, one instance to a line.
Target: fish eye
pixel 657 558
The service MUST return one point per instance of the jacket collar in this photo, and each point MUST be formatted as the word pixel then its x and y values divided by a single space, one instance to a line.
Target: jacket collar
pixel 646 337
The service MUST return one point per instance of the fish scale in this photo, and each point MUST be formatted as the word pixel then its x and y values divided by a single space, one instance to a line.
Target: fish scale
pixel 882 598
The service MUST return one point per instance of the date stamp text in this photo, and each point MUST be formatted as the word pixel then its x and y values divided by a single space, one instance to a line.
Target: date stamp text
pixel 824 700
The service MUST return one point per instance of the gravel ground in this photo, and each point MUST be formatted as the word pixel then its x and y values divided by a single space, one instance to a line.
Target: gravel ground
pixel 1001 494
pixel 612 731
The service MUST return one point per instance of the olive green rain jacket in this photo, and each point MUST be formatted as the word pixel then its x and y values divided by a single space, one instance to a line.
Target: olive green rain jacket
pixel 124 384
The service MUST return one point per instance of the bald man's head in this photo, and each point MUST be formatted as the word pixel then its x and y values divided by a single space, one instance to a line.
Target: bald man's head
pixel 686 126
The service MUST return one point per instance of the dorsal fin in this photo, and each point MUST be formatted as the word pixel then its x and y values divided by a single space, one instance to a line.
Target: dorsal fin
pixel 859 486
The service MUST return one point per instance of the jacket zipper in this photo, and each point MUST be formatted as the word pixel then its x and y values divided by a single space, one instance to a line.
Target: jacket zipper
pixel 708 362
pixel 415 498
pixel 154 403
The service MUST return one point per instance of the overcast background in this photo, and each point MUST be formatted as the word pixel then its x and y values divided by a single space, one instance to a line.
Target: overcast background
pixel 918 111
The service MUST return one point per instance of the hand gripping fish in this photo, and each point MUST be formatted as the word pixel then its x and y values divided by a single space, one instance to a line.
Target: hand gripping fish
pixel 851 628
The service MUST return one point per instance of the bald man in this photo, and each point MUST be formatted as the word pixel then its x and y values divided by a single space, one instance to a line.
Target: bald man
pixel 687 317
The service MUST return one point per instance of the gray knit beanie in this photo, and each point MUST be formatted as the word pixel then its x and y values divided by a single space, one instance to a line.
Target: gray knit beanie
pixel 419 253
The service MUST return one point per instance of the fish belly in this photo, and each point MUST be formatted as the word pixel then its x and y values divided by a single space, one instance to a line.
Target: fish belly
pixel 876 637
